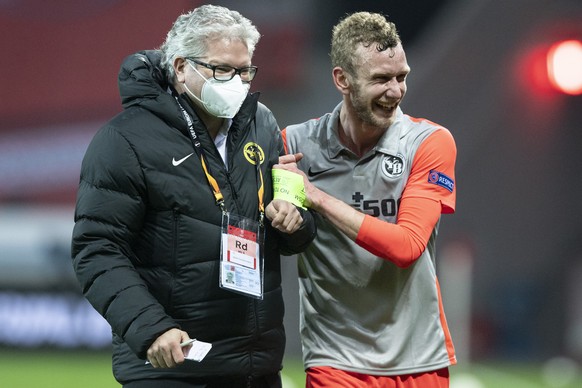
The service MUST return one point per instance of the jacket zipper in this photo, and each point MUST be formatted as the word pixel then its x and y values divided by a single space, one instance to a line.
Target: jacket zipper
pixel 256 336
pixel 232 190
pixel 173 265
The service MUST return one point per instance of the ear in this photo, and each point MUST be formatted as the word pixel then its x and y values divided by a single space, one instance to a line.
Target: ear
pixel 180 69
pixel 341 80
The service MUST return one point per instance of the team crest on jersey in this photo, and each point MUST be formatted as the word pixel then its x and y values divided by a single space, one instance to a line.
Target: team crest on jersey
pixel 393 166
pixel 253 153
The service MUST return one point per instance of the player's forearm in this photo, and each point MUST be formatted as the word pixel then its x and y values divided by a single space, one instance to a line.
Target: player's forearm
pixel 401 243
pixel 341 215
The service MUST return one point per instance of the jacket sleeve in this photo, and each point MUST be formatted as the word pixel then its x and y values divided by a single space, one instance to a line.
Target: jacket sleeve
pixel 108 216
pixel 297 242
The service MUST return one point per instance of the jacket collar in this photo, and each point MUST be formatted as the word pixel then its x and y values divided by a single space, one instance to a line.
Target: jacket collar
pixel 240 121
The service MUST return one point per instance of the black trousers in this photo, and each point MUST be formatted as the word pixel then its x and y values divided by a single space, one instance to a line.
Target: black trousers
pixel 267 381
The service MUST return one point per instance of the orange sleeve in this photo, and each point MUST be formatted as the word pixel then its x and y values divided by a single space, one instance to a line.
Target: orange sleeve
pixel 284 136
pixel 433 171
pixel 423 201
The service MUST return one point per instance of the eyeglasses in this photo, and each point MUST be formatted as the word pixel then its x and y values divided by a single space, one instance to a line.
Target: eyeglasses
pixel 226 73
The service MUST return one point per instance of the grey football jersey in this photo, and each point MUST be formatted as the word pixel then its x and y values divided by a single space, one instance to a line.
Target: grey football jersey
pixel 360 312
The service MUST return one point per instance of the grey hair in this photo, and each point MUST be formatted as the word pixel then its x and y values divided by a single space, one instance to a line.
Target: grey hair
pixel 191 32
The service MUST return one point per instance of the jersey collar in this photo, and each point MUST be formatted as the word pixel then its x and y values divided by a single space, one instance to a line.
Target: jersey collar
pixel 388 143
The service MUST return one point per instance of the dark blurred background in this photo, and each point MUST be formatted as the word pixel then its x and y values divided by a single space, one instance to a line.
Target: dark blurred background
pixel 510 262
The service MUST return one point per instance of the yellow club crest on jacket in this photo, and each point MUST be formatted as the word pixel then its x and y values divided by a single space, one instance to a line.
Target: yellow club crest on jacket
pixel 254 152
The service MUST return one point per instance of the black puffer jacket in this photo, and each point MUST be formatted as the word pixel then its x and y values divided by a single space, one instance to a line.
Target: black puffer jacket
pixel 146 241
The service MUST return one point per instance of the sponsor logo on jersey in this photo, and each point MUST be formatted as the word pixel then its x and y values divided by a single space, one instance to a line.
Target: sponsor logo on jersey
pixel 254 153
pixel 440 179
pixel 386 207
pixel 393 166
pixel 313 173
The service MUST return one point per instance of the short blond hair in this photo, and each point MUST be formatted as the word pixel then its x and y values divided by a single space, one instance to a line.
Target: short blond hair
pixel 360 28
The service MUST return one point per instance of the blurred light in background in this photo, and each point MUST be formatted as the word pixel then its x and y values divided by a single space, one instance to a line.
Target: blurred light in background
pixel 564 61
pixel 552 68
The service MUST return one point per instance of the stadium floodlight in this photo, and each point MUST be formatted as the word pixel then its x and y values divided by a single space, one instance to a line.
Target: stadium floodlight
pixel 564 66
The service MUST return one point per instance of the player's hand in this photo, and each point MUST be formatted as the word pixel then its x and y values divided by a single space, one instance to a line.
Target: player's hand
pixel 284 216
pixel 291 158
pixel 289 163
pixel 313 195
pixel 166 351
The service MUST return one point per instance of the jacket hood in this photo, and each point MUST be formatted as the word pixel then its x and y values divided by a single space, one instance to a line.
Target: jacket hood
pixel 142 82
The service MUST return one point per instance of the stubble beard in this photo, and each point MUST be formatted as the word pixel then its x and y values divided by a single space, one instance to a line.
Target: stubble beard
pixel 364 112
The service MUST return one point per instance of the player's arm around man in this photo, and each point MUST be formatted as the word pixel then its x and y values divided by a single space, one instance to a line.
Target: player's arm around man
pixel 402 242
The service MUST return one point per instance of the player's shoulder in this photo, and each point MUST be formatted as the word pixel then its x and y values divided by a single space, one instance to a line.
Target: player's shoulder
pixel 314 129
pixel 311 125
pixel 423 122
pixel 431 128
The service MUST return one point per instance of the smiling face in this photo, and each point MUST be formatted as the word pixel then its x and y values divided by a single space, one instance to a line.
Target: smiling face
pixel 379 85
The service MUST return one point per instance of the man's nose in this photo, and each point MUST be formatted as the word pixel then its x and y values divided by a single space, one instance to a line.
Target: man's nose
pixel 393 89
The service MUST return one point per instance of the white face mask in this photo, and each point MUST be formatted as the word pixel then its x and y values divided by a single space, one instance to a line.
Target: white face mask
pixel 221 98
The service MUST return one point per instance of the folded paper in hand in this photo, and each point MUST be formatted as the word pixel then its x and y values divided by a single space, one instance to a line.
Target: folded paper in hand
pixel 198 351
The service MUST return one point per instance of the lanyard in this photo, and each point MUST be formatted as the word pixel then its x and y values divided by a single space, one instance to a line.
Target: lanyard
pixel 219 198
pixel 261 189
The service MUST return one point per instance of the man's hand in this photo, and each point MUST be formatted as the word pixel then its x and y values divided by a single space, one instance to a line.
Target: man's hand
pixel 284 216
pixel 166 351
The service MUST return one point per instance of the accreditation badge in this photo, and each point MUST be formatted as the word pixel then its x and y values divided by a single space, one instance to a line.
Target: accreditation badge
pixel 241 257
